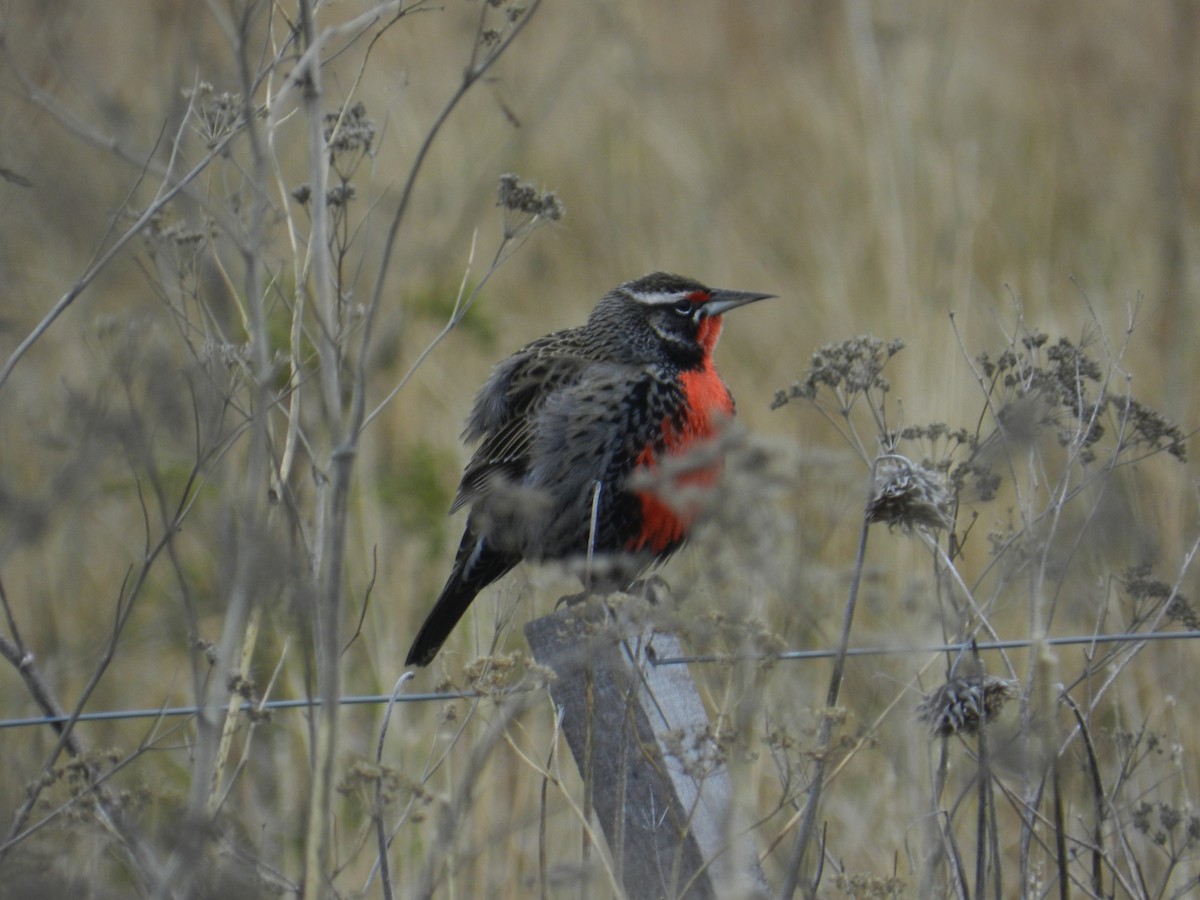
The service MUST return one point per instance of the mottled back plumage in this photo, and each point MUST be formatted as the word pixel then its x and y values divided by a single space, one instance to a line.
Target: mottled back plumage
pixel 562 424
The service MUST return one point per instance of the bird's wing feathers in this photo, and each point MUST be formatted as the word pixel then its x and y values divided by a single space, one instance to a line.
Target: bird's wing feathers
pixel 505 409
pixel 521 382
pixel 503 454
pixel 597 430
pixel 588 438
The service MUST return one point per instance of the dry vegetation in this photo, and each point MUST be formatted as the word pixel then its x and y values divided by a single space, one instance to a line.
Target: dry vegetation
pixel 229 447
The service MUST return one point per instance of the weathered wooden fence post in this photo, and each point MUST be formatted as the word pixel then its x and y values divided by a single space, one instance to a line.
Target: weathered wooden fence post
pixel 665 810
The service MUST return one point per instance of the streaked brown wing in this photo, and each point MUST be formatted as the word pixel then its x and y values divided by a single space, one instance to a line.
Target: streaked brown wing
pixel 507 406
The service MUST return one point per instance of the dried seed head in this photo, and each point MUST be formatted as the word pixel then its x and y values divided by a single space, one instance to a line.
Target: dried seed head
pixel 907 495
pixel 350 130
pixel 961 704
pixel 525 207
pixel 214 115
pixel 849 368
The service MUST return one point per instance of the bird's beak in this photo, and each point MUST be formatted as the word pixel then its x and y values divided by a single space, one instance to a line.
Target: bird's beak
pixel 722 301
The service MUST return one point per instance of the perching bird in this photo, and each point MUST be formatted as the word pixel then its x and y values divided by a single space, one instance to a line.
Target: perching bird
pixel 565 421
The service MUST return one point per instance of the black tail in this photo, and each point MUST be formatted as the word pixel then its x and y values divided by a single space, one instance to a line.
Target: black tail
pixel 475 567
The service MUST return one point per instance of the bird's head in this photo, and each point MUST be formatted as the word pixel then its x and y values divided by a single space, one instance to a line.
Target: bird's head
pixel 679 315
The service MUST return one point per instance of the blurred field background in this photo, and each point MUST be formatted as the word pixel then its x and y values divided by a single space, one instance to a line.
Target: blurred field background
pixel 880 166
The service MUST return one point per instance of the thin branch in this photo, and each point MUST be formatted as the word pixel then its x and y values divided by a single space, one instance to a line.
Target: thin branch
pixel 381 838
pixel 824 738
pixel 144 864
pixel 470 78
pixel 86 279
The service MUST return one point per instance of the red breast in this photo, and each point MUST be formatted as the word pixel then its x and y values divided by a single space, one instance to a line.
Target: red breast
pixel 707 403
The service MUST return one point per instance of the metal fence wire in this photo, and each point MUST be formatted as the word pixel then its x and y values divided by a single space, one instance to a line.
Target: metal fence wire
pixel 444 696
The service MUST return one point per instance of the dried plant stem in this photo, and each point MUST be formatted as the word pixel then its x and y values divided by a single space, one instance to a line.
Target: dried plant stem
pixel 249 515
pixel 328 605
pixel 145 867
pixel 233 713
pixel 1097 785
pixel 381 839
pixel 326 311
pixel 944 558
pixel 93 271
pixel 296 332
pixel 988 834
pixel 462 304
pixel 938 830
pixel 455 811
pixel 472 76
pixel 1060 835
pixel 334 499
pixel 808 819
pixel 332 538
pixel 543 856
pixel 551 775
pixel 588 768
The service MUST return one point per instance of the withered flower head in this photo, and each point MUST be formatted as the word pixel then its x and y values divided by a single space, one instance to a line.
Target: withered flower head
pixel 907 495
pixel 961 704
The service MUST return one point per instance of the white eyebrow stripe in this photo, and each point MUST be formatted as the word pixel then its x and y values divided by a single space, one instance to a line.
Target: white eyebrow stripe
pixel 662 298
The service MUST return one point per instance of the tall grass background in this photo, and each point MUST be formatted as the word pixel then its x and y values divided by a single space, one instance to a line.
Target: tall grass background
pixel 956 175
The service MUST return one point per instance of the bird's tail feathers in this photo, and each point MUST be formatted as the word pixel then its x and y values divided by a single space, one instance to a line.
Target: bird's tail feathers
pixel 476 566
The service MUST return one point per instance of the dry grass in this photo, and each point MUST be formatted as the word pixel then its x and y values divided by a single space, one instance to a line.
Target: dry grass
pixel 1027 168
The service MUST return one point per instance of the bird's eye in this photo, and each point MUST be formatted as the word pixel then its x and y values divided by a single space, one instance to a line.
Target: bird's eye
pixel 683 307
